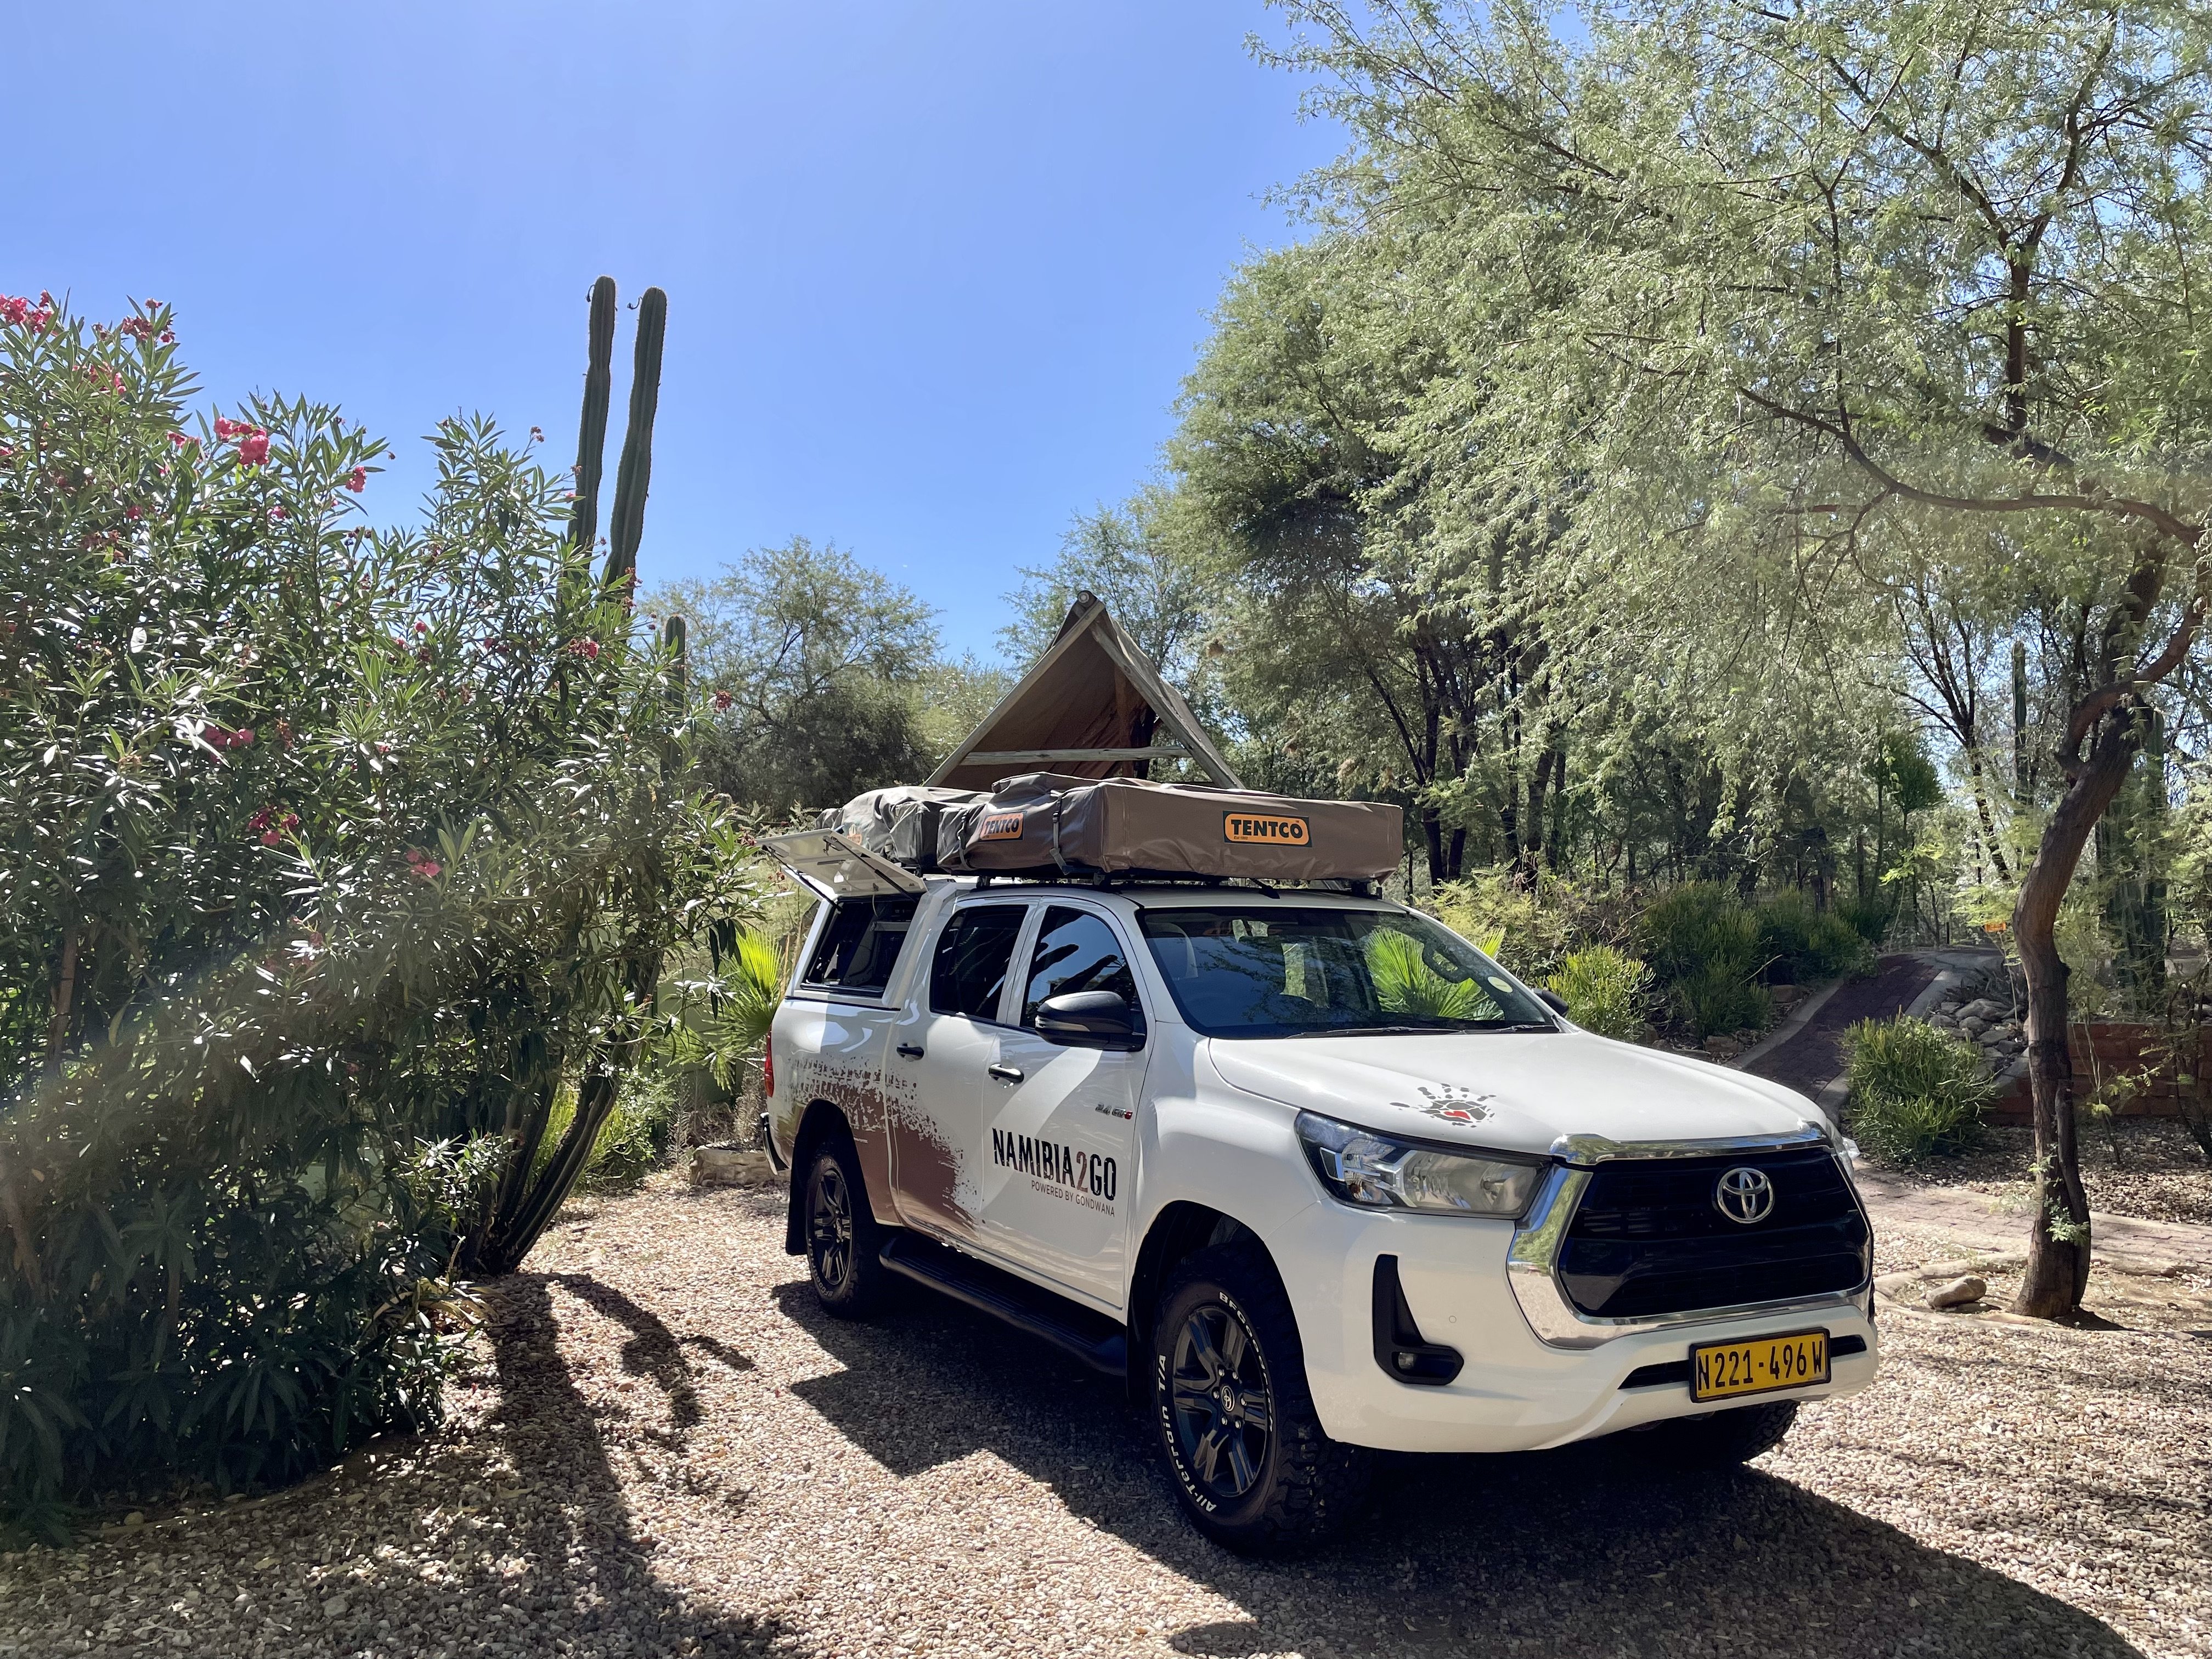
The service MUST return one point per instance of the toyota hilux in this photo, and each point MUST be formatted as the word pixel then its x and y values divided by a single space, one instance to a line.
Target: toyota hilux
pixel 1318 1176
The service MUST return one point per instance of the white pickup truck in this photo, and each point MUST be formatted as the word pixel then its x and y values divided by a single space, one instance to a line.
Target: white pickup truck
pixel 1314 1174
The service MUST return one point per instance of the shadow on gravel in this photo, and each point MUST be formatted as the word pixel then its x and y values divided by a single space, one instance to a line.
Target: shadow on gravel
pixel 582 1539
pixel 1576 1551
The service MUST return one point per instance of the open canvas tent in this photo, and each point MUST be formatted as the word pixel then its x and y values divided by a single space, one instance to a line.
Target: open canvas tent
pixel 1093 706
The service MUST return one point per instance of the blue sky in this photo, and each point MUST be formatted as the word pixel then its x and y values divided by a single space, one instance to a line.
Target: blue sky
pixel 934 272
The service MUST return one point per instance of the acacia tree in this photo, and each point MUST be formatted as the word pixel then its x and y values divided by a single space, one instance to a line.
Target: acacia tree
pixel 1821 280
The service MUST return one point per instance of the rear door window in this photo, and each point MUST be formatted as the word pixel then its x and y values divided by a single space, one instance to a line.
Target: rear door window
pixel 861 944
pixel 973 954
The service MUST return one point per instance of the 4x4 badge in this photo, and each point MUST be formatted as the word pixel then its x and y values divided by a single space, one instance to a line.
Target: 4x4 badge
pixel 1744 1194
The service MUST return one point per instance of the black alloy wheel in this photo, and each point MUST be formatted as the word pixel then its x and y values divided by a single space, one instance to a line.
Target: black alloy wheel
pixel 829 1226
pixel 1253 1466
pixel 842 1239
pixel 1225 1411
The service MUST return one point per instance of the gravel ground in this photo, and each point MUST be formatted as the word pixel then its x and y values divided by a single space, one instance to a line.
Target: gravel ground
pixel 2159 1174
pixel 668 1450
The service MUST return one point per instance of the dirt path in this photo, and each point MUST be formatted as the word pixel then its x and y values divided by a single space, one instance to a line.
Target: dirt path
pixel 1977 1219
pixel 669 1451
pixel 1814 1053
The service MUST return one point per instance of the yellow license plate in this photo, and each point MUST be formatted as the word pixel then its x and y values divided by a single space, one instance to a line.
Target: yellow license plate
pixel 1719 1370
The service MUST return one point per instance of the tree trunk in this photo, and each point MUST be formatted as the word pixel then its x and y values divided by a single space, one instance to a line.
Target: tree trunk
pixel 2058 1241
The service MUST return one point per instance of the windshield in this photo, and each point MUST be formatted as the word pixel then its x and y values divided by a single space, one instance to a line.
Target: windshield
pixel 1283 973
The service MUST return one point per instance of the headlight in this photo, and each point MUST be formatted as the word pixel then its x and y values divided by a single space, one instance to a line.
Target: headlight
pixel 1378 1173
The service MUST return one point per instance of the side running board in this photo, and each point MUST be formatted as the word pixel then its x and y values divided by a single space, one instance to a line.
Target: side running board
pixel 1092 1337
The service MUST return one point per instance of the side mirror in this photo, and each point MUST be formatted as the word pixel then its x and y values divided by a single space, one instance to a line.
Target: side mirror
pixel 1088 1020
pixel 1554 1001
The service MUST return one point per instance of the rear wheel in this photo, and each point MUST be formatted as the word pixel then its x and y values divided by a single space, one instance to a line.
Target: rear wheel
pixel 842 1239
pixel 1716 1442
pixel 1236 1422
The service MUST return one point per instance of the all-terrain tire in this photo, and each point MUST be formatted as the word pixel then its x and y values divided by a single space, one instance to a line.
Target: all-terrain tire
pixel 1234 1415
pixel 1716 1442
pixel 843 1241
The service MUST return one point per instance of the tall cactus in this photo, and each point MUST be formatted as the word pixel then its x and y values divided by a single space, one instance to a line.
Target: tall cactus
pixel 634 474
pixel 592 431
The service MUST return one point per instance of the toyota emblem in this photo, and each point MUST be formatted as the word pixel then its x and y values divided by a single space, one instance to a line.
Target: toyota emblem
pixel 1744 1194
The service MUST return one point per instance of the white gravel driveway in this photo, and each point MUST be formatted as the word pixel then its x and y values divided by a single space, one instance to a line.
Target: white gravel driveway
pixel 668 1450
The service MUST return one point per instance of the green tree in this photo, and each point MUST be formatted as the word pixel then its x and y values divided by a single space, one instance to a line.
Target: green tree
pixel 1148 558
pixel 1806 285
pixel 816 665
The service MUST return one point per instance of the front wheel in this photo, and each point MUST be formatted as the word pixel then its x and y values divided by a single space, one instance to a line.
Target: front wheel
pixel 842 1239
pixel 1236 1424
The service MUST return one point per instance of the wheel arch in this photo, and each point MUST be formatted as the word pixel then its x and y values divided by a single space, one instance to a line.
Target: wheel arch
pixel 1181 1228
pixel 821 1119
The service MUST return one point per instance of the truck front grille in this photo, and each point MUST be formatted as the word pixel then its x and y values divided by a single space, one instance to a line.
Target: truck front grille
pixel 1648 1237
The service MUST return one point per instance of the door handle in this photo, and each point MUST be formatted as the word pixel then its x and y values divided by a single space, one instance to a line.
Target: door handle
pixel 910 1050
pixel 1006 1073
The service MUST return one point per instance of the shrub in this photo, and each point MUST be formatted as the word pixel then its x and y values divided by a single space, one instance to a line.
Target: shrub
pixel 1916 1091
pixel 1697 926
pixel 1703 943
pixel 1798 943
pixel 1605 990
pixel 327 853
pixel 1868 916
pixel 635 1137
pixel 1715 999
pixel 1528 927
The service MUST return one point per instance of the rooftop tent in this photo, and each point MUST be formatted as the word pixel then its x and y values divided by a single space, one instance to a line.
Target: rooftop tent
pixel 1093 706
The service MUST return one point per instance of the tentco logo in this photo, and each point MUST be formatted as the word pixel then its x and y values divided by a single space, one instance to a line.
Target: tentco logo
pixel 1281 831
pixel 1051 1160
pixel 1001 826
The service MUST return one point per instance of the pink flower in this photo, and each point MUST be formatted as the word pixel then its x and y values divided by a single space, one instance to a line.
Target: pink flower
pixel 227 429
pixel 179 439
pixel 133 513
pixel 588 649
pixel 722 700
pixel 270 838
pixel 357 480
pixel 243 738
pixel 14 310
pixel 422 627
pixel 253 450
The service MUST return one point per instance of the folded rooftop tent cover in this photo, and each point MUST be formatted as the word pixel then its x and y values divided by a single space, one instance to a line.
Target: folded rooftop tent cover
pixel 1047 824
pixel 899 824
pixel 1093 706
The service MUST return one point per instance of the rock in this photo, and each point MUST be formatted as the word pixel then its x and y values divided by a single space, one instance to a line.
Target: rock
pixel 335 1607
pixel 1957 1293
pixel 1786 997
pixel 1942 1022
pixel 1982 1008
pixel 1973 1028
pixel 1722 1048
pixel 136 1518
pixel 730 1166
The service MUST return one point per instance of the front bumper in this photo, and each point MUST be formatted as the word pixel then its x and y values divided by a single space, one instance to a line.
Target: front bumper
pixel 1516 1390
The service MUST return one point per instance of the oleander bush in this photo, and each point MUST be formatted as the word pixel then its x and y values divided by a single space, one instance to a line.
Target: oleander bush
pixel 328 854
pixel 1916 1091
